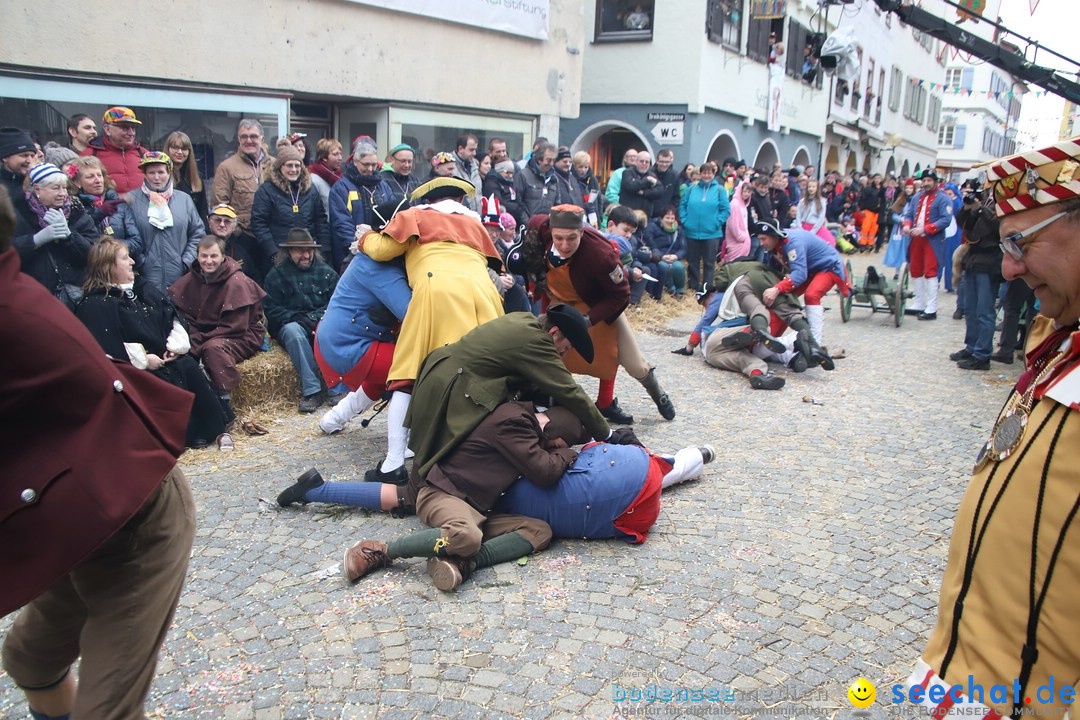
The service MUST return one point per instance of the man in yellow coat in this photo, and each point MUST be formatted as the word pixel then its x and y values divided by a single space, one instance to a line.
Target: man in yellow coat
pixel 447 255
pixel 1009 616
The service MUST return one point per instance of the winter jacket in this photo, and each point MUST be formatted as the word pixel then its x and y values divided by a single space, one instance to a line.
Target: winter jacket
pixel 199 198
pixel 614 186
pixel 295 295
pixel 273 215
pixel 537 191
pixel 470 173
pixel 352 202
pixel 761 206
pixel 164 254
pixel 235 182
pixel 781 205
pixel 870 198
pixel 495 184
pixel 980 228
pixel 664 242
pixel 704 210
pixel 637 192
pixel 568 189
pixel 590 188
pixel 737 241
pixel 107 211
pixel 59 261
pixel 669 194
pixel 122 165
pixel 401 186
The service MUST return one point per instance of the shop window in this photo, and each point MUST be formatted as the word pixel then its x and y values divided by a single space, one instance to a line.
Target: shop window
pixel 620 20
pixel 724 23
pixel 212 132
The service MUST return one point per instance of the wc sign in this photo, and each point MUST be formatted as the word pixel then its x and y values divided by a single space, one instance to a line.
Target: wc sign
pixel 668 129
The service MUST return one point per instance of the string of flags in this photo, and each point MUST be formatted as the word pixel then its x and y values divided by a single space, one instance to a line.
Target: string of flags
pixel 965 92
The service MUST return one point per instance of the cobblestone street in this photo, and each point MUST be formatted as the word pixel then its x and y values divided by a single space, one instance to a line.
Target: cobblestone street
pixel 808 555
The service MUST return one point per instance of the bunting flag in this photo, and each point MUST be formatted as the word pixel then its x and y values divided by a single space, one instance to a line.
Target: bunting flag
pixel 1033 4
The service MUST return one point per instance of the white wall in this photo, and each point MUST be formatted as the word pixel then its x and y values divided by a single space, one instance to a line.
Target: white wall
pixel 330 47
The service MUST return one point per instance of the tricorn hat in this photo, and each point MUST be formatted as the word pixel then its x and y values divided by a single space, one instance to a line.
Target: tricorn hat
pixel 768 226
pixel 573 326
pixel 442 187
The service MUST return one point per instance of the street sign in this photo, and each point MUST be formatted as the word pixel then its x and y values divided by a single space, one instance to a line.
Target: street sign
pixel 668 133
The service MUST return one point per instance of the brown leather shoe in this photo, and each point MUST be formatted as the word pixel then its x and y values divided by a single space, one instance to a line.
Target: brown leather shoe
pixel 362 558
pixel 449 572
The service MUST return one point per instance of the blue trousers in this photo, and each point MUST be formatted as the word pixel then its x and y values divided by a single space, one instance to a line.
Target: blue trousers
pixel 980 292
pixel 296 341
pixel 676 278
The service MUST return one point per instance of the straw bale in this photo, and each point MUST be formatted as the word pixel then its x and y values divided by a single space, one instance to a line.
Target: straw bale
pixel 268 385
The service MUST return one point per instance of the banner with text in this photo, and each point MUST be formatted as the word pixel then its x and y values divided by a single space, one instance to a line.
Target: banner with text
pixel 517 17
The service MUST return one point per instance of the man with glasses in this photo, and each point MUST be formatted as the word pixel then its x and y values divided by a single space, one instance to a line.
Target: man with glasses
pixel 353 199
pixel 118 149
pixel 399 175
pixel 221 223
pixel 1009 613
pixel 235 182
pixel 926 218
pixel 534 184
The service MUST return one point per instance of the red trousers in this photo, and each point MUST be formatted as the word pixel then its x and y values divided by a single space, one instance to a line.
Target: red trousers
pixel 819 284
pixel 922 262
pixel 370 373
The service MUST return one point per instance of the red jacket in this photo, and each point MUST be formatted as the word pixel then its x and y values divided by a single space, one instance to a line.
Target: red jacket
pixel 122 165
pixel 595 270
pixel 88 439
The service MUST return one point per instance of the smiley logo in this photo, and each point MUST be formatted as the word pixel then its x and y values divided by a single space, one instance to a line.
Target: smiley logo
pixel 862 693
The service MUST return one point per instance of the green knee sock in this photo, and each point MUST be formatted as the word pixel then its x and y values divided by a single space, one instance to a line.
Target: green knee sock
pixel 799 324
pixel 418 544
pixel 503 548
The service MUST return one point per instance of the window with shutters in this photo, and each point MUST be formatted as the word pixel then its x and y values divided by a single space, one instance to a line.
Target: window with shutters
pixel 623 20
pixel 896 89
pixel 758 42
pixel 946 134
pixel 723 24
pixel 953 77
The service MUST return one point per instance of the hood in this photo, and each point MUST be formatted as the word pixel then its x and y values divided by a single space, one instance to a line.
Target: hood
pixel 736 197
pixel 282 184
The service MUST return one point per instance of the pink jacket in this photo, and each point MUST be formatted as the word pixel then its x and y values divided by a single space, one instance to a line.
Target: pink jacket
pixel 736 233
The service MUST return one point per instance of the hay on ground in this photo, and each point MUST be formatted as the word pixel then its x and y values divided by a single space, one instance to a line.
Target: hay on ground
pixel 268 386
pixel 655 317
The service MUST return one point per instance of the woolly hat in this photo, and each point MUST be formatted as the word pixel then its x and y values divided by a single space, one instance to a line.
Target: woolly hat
pixel 286 154
pixel 45 172
pixel 562 154
pixel 59 155
pixel 503 166
pixel 566 217
pixel 14 141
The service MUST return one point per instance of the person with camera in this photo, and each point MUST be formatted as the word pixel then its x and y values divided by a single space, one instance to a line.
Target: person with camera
pixel 982 274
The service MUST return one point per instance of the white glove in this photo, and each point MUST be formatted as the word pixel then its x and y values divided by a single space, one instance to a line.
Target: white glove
pixel 50 233
pixel 54 216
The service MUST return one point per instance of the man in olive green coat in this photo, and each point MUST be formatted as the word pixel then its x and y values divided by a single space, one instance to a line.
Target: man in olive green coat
pixel 462 383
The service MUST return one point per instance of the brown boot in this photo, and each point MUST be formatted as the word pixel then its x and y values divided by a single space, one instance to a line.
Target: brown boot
pixel 362 558
pixel 449 572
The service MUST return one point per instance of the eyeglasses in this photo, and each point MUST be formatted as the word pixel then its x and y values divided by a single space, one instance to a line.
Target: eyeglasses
pixel 369 165
pixel 250 137
pixel 1011 243
pixel 221 219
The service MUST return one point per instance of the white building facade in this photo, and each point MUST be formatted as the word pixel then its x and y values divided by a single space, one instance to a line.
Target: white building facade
pixel 338 68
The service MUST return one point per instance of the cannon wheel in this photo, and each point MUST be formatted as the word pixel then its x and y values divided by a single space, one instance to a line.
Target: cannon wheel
pixel 845 302
pixel 901 295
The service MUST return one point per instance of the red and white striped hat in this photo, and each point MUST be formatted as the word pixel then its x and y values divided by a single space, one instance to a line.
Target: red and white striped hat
pixel 1036 178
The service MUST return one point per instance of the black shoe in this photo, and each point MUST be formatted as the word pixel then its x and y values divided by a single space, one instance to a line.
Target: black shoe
pixel 739 340
pixel 927 316
pixel 682 351
pixel 295 492
pixel 973 364
pixel 615 414
pixel 797 363
pixel 960 355
pixel 766 382
pixel 1003 356
pixel 310 403
pixel 200 444
pixel 400 476
pixel 820 358
pixel 708 453
pixel 958 314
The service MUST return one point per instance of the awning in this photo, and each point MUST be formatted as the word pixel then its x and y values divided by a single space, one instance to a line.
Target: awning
pixel 844 131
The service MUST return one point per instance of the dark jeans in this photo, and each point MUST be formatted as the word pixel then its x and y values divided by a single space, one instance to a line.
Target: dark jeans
pixel 701 252
pixel 979 293
pixel 1017 295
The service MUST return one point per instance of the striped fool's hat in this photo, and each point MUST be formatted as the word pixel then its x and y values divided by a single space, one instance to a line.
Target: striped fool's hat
pixel 1036 178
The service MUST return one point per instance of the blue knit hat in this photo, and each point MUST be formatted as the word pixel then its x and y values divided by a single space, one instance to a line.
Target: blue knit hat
pixel 44 172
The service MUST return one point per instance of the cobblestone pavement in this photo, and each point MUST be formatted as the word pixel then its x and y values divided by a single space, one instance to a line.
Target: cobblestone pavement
pixel 807 556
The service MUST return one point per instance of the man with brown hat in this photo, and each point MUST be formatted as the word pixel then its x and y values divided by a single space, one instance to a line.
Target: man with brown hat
pixel 1018 515
pixel 118 149
pixel 581 268
pixel 298 289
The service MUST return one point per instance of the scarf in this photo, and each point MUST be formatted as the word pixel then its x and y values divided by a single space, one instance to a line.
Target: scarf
pixel 324 172
pixel 40 210
pixel 158 213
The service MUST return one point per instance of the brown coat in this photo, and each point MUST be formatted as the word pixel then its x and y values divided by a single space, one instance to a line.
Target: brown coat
pixel 228 305
pixel 507 445
pixel 89 439
pixel 235 182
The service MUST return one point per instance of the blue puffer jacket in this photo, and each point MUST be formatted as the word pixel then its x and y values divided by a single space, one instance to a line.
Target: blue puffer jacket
pixel 664 242
pixel 352 202
pixel 704 211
